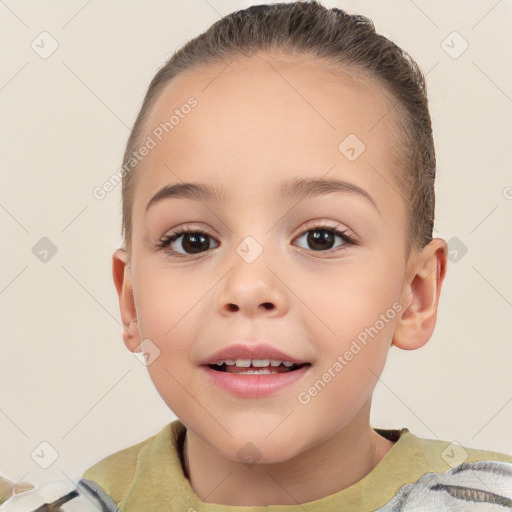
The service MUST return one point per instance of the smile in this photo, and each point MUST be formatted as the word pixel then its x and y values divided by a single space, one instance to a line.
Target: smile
pixel 248 378
pixel 255 366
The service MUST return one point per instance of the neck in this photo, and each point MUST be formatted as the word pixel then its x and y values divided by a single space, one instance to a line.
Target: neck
pixel 327 468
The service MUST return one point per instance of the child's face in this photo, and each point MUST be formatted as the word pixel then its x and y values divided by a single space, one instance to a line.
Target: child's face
pixel 258 124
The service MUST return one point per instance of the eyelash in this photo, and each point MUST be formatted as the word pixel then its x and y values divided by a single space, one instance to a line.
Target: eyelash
pixel 166 241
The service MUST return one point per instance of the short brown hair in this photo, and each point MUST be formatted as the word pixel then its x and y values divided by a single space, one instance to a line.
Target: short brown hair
pixel 341 39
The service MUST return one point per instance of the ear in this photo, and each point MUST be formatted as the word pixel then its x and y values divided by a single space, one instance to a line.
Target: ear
pixel 424 277
pixel 121 272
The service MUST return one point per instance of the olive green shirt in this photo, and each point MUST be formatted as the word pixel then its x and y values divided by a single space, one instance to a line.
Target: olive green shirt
pixel 149 476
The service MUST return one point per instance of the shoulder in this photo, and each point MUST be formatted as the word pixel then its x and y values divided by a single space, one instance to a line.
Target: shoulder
pixel 110 482
pixel 471 486
pixel 115 473
pixel 101 487
pixel 444 475
pixel 439 455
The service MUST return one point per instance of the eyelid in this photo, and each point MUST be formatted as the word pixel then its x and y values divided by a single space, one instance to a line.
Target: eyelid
pixel 331 225
pixel 189 226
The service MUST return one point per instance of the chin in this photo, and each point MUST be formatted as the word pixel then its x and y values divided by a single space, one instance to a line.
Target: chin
pixel 253 449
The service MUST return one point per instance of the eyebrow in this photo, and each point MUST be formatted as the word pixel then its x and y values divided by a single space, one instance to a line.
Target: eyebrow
pixel 296 188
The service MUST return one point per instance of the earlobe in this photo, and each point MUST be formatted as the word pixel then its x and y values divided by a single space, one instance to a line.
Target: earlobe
pixel 122 276
pixel 425 276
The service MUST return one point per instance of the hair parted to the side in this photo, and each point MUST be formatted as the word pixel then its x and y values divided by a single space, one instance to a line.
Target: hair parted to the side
pixel 348 41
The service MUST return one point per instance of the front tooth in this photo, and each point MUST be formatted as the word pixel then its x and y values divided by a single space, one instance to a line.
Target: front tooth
pixel 230 362
pixel 244 363
pixel 287 363
pixel 260 362
pixel 274 362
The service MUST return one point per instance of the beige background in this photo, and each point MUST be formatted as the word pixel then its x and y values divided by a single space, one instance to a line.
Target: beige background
pixel 67 378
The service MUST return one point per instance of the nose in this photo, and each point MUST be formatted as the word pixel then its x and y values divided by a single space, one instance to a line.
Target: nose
pixel 251 289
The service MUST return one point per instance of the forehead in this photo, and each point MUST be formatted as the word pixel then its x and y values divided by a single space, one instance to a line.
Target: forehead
pixel 261 119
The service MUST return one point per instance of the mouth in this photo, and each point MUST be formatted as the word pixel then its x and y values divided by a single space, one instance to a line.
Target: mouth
pixel 255 378
pixel 256 366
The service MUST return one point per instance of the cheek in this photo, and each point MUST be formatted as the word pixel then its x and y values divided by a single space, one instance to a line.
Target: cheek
pixel 171 326
pixel 170 316
pixel 165 300
pixel 350 298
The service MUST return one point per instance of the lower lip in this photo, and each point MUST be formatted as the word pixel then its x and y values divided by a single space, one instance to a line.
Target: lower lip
pixel 254 386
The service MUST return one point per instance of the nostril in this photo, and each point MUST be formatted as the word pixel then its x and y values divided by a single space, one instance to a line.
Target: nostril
pixel 268 305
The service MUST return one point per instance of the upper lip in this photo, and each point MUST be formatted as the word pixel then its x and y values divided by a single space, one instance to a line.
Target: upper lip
pixel 250 351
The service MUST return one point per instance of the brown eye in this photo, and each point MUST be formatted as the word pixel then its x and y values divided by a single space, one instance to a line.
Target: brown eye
pixel 320 239
pixel 193 242
pixel 323 238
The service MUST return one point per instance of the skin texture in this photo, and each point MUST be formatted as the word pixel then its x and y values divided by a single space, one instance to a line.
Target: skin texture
pixel 260 121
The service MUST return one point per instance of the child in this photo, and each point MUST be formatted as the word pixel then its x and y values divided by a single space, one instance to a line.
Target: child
pixel 278 208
